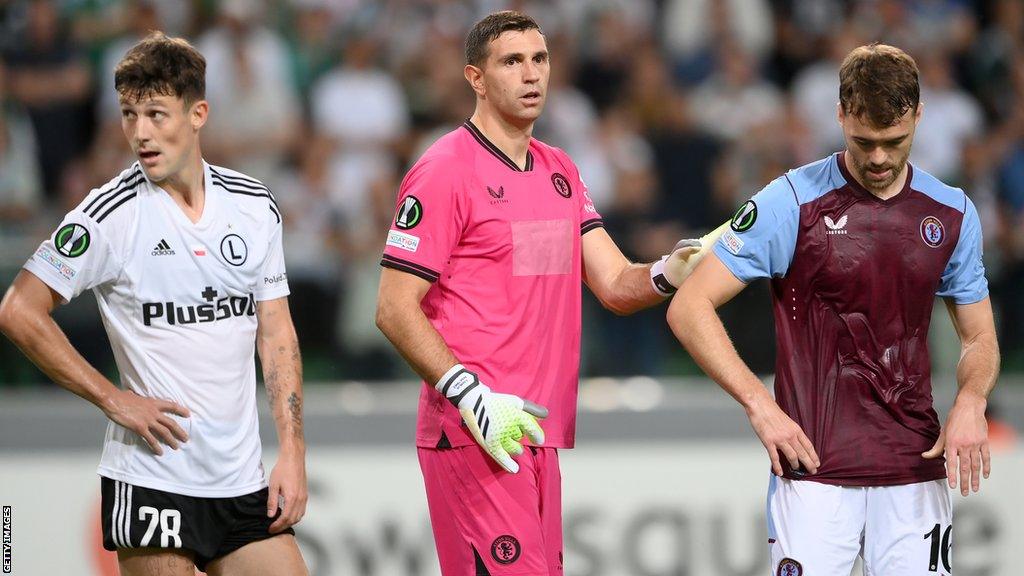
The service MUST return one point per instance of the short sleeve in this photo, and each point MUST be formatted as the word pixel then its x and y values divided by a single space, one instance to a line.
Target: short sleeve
pixel 429 220
pixel 589 217
pixel 762 235
pixel 273 282
pixel 76 257
pixel 964 277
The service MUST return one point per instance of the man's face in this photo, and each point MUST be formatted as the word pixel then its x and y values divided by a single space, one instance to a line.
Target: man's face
pixel 515 75
pixel 879 154
pixel 162 132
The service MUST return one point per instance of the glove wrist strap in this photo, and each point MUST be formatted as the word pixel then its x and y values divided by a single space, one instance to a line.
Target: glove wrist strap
pixel 458 383
pixel 659 282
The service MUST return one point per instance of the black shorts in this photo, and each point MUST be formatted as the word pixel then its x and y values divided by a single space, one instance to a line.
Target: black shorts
pixel 137 517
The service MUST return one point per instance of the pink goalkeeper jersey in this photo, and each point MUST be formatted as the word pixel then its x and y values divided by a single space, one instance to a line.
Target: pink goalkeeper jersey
pixel 502 248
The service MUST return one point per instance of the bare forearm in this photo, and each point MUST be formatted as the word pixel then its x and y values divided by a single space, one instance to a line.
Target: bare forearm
pixel 630 290
pixel 978 367
pixel 699 329
pixel 41 340
pixel 416 340
pixel 282 376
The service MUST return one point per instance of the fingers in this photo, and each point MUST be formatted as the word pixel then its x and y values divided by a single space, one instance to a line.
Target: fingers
pixel 293 508
pixel 687 243
pixel 161 430
pixel 176 431
pixel 151 440
pixel 975 470
pixel 285 520
pixel 168 406
pixel 964 468
pixel 791 455
pixel 533 430
pixel 776 462
pixel 986 460
pixel 808 459
pixel 272 498
pixel 535 409
pixel 951 468
pixel 936 450
pixel 502 457
pixel 512 446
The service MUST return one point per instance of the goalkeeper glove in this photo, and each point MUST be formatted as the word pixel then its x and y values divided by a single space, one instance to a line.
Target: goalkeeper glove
pixel 496 421
pixel 668 273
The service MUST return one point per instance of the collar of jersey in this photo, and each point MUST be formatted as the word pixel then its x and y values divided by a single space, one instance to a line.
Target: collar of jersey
pixel 862 191
pixel 209 202
pixel 495 151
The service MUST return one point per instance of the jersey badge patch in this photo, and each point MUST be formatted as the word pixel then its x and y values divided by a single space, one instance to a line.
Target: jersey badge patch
pixel 59 265
pixel 789 567
pixel 932 231
pixel 403 241
pixel 561 185
pixel 72 240
pixel 410 213
pixel 505 549
pixel 234 250
pixel 732 242
pixel 744 217
pixel 837 226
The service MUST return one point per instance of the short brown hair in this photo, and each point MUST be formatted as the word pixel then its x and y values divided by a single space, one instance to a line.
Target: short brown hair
pixel 492 26
pixel 164 66
pixel 879 83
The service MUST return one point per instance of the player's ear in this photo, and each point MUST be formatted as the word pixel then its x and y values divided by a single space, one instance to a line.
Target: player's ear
pixel 918 113
pixel 199 113
pixel 475 77
pixel 840 113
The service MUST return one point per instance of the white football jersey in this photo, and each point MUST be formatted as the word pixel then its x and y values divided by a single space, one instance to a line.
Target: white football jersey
pixel 178 301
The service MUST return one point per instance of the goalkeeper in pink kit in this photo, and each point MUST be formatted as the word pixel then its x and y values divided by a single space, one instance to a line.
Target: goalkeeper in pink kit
pixel 493 236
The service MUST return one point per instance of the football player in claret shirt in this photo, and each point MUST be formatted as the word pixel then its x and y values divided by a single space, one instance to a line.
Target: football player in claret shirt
pixel 857 246
pixel 185 260
pixel 493 237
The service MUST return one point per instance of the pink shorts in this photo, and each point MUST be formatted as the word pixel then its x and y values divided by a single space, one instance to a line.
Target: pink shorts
pixel 488 522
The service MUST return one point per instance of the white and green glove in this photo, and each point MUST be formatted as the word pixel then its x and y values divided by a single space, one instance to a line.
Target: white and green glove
pixel 497 421
pixel 668 273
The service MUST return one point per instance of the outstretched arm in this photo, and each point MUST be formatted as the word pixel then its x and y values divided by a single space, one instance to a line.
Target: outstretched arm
pixel 964 439
pixel 25 319
pixel 693 319
pixel 278 347
pixel 624 287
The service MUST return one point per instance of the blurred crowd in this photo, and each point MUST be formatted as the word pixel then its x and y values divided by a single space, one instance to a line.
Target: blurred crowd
pixel 675 111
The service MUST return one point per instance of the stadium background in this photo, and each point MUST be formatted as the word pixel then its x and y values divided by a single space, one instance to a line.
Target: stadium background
pixel 675 110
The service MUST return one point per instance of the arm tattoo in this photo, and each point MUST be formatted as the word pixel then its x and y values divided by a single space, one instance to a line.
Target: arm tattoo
pixel 295 409
pixel 270 377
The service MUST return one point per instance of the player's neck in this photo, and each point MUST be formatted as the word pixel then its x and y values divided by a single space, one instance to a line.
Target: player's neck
pixel 513 140
pixel 187 189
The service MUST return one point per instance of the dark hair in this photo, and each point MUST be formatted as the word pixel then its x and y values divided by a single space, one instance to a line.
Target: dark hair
pixel 492 26
pixel 880 83
pixel 164 66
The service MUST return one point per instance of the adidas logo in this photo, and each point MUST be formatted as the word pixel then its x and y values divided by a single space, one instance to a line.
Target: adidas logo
pixel 163 249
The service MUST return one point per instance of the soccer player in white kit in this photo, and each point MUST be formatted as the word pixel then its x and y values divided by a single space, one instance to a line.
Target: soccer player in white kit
pixel 185 260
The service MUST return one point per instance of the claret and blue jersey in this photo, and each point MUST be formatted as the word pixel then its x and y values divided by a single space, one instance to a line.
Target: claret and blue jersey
pixel 853 284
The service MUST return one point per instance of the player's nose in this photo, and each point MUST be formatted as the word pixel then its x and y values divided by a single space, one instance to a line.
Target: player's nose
pixel 878 157
pixel 531 72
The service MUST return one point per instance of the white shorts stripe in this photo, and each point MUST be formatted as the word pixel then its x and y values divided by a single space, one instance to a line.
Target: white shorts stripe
pixel 128 518
pixel 114 514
